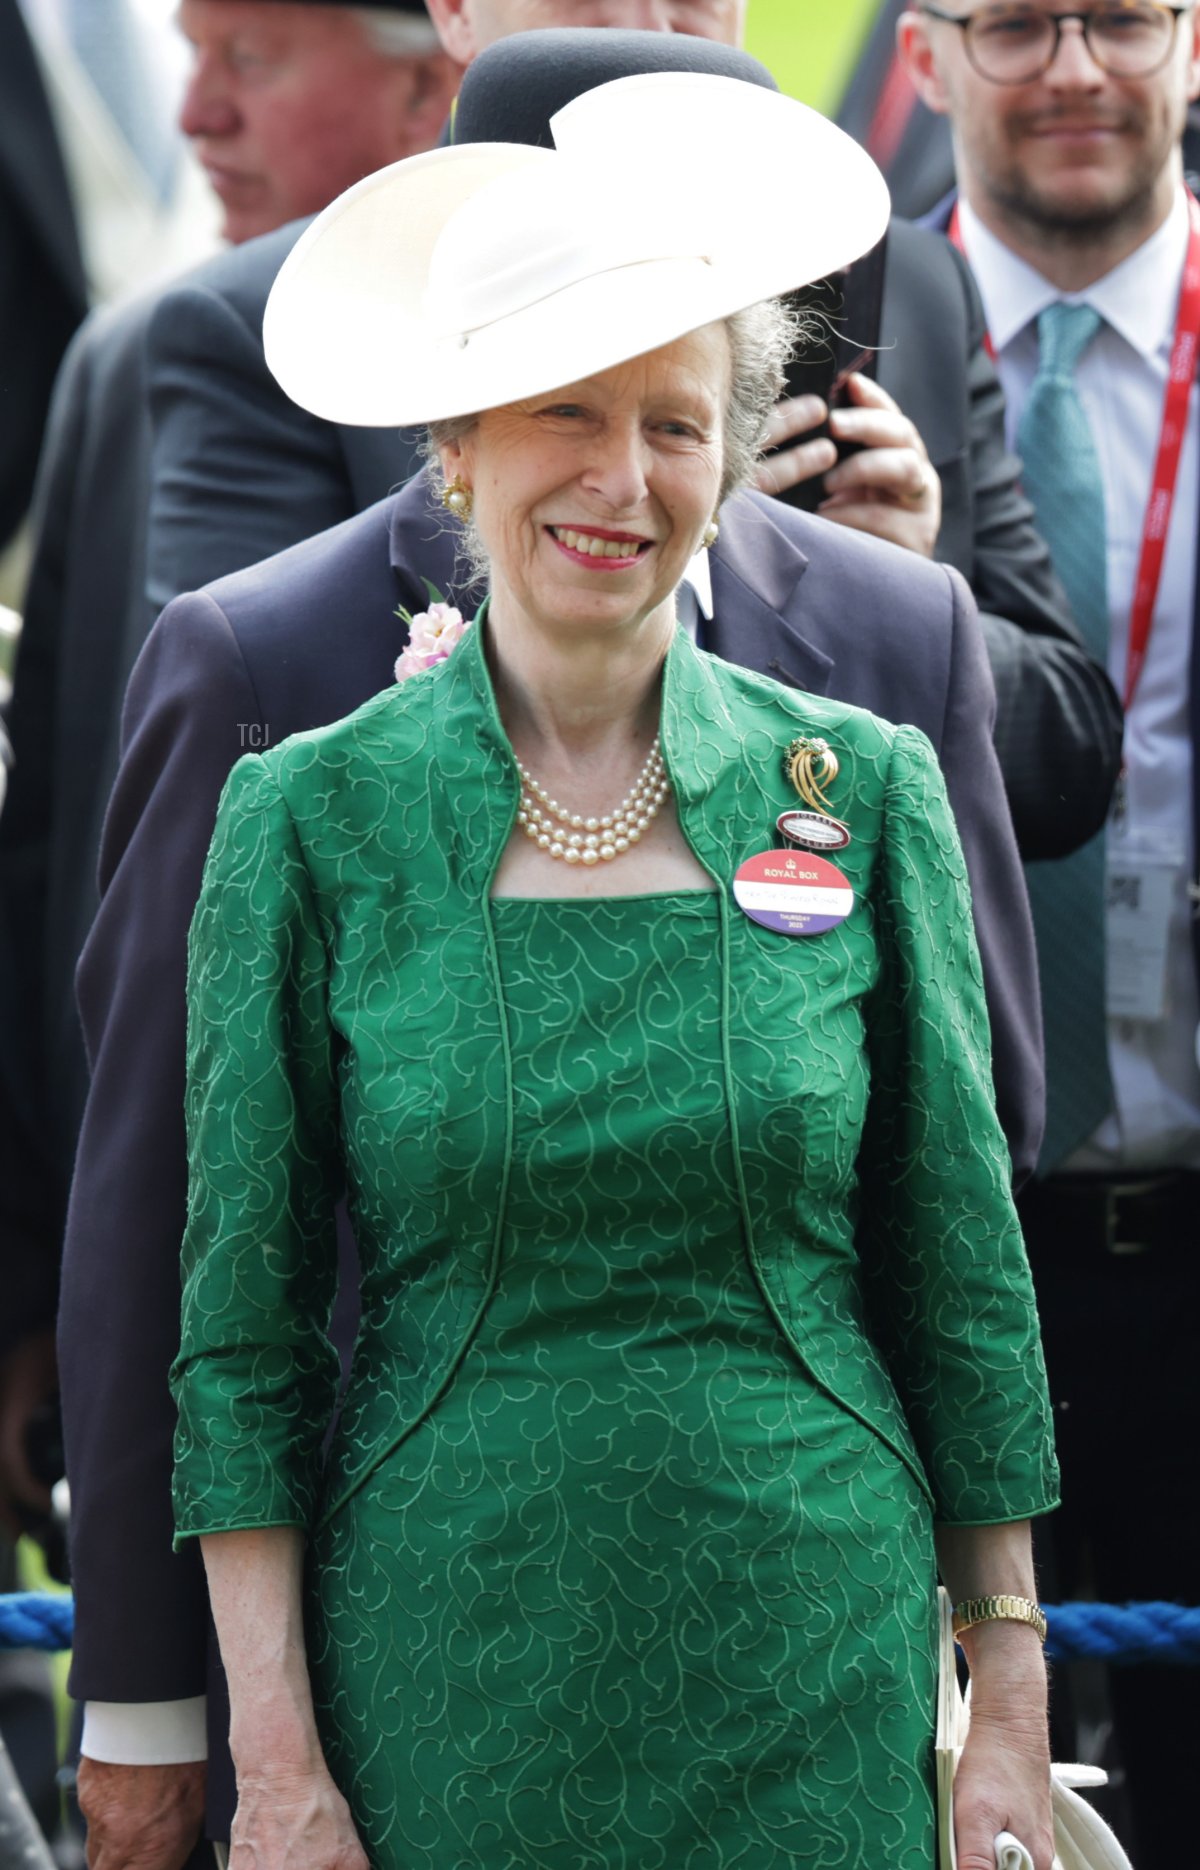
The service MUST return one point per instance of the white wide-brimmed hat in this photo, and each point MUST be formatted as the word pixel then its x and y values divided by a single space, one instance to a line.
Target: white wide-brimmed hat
pixel 480 274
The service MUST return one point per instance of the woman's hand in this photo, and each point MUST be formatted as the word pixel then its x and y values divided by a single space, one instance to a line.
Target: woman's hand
pixel 1003 1784
pixel 1003 1778
pixel 292 1818
pixel 290 1815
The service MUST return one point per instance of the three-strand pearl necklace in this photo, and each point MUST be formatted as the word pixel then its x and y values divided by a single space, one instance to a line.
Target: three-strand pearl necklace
pixel 576 838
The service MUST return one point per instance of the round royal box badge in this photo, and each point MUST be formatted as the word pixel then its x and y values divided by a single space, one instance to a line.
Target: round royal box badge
pixel 793 892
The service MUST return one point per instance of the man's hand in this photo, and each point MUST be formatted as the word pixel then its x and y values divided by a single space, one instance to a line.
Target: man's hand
pixel 28 1379
pixel 890 488
pixel 141 1817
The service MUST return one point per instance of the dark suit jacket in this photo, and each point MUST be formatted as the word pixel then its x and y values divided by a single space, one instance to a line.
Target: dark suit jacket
pixel 301 640
pixel 43 292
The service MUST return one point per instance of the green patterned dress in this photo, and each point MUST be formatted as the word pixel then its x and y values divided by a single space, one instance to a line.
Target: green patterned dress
pixel 692 1294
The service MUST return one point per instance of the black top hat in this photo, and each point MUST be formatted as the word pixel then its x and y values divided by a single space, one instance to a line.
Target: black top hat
pixel 511 91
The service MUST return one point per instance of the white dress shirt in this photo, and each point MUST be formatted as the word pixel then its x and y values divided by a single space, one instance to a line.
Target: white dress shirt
pixel 145 1733
pixel 1121 379
pixel 696 603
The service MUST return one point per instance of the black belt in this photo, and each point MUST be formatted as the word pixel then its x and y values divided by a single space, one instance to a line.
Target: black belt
pixel 1131 1214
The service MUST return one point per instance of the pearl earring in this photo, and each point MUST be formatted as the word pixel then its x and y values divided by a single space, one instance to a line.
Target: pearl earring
pixel 711 534
pixel 457 499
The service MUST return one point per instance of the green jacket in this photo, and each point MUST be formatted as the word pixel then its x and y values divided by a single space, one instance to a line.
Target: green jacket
pixel 347 1029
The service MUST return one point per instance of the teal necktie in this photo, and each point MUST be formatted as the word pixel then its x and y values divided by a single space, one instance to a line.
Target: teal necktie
pixel 1062 479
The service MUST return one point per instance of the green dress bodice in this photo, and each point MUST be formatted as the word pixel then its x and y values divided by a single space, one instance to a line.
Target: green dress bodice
pixel 691 1288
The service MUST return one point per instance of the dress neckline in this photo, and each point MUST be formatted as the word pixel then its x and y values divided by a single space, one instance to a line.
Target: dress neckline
pixel 695 895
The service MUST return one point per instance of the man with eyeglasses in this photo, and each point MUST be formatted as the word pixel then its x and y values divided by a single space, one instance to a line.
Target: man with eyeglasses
pixel 1067 126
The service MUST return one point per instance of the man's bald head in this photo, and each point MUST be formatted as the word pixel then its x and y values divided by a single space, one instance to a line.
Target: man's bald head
pixel 290 102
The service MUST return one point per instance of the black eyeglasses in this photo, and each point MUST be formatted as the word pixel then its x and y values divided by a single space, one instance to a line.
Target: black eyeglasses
pixel 1015 44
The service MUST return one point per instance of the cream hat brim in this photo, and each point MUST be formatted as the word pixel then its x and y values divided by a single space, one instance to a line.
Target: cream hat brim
pixel 481 274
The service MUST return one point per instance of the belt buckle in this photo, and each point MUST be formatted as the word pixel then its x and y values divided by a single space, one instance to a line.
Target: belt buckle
pixel 1113 1201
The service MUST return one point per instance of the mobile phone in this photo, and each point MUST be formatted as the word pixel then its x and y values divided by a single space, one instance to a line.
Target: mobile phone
pixel 844 311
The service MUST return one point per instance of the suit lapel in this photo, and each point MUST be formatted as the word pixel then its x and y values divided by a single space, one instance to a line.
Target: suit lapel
pixel 757 575
pixel 941 214
pixel 30 155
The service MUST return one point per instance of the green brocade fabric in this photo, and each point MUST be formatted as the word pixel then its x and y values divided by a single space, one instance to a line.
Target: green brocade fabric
pixel 692 1290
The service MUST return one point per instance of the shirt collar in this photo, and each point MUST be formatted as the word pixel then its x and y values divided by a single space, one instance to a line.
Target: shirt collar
pixel 1138 298
pixel 699 576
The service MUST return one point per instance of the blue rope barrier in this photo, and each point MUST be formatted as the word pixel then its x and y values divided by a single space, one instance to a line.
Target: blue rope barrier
pixel 1115 1633
pixel 36 1620
pixel 1123 1633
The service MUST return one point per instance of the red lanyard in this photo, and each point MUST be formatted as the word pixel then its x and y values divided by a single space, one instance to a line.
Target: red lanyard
pixel 1170 447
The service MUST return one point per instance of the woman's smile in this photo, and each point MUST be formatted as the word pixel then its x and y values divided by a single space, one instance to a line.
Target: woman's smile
pixel 598 548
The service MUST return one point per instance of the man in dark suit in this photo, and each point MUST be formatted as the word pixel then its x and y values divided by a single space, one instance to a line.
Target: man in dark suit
pixel 1087 251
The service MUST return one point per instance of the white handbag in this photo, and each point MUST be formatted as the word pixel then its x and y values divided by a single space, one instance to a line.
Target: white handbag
pixel 1082 1840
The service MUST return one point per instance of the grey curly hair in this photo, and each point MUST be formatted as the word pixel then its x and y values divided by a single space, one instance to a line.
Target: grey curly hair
pixel 761 339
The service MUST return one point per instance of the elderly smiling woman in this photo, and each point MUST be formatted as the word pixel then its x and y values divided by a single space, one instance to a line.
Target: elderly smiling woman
pixel 695 1314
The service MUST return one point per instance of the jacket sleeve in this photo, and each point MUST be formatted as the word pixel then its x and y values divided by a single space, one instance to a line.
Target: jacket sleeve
pixel 238 471
pixel 1002 922
pixel 140 1611
pixel 1058 718
pixel 256 1376
pixel 948 1288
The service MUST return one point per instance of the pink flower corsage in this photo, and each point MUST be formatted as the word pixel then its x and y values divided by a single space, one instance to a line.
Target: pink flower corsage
pixel 432 634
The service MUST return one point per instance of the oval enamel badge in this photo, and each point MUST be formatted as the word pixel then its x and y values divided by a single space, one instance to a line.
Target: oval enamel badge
pixel 813 831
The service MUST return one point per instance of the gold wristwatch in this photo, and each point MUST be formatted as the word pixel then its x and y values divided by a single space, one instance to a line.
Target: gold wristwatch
pixel 1001 1609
